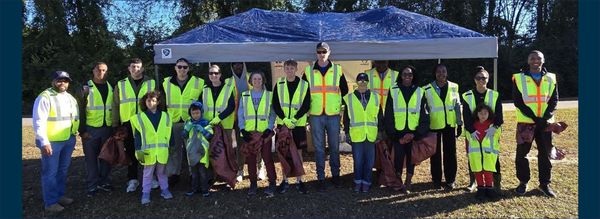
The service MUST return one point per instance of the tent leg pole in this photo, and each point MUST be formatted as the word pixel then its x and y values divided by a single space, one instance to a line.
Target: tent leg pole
pixel 156 76
pixel 439 61
pixel 496 74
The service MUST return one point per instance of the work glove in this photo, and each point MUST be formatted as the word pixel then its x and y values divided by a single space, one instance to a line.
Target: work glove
pixel 188 126
pixel 541 123
pixel 458 131
pixel 475 134
pixel 407 138
pixel 288 122
pixel 379 136
pixel 215 121
pixel 348 140
pixel 246 135
pixel 185 134
pixel 200 128
pixel 140 156
pixel 266 133
pixel 489 133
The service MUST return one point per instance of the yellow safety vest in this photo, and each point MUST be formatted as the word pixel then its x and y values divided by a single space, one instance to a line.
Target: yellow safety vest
pixel 128 101
pixel 490 99
pixel 291 107
pixel 179 102
pixel 256 120
pixel 97 112
pixel 535 97
pixel 237 98
pixel 325 94
pixel 363 122
pixel 63 121
pixel 210 105
pixel 379 86
pixel 205 144
pixel 442 113
pixel 155 143
pixel 404 111
pixel 484 154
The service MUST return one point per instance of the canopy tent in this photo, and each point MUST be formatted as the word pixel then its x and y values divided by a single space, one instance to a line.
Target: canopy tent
pixel 386 33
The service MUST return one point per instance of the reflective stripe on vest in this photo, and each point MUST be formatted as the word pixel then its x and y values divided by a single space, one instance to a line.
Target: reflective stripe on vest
pixel 363 122
pixel 402 112
pixel 487 159
pixel 178 101
pixel 325 95
pixel 382 86
pixel 128 101
pixel 155 143
pixel 98 112
pixel 256 119
pixel 490 99
pixel 62 122
pixel 209 105
pixel 442 112
pixel 291 105
pixel 534 96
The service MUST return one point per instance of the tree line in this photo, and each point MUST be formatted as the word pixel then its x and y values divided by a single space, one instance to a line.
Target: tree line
pixel 72 35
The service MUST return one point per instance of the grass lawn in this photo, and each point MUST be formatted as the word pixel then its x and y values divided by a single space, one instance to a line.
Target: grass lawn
pixel 381 202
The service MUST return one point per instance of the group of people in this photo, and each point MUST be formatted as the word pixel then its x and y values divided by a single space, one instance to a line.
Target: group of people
pixel 165 122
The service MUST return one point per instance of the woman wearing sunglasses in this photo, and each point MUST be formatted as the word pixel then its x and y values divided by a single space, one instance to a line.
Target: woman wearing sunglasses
pixel 218 97
pixel 408 120
pixel 472 98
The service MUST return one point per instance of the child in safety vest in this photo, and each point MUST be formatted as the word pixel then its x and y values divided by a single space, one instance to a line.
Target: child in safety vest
pixel 197 133
pixel 152 132
pixel 483 151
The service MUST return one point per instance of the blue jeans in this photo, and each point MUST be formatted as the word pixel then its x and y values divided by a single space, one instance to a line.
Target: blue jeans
pixel 98 170
pixel 54 170
pixel 318 126
pixel 363 154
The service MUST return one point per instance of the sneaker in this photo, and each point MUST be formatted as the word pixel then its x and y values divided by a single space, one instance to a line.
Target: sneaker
pixel 358 187
pixel 205 194
pixel 261 174
pixel 271 190
pixel 547 190
pixel 155 183
pixel 472 187
pixel 106 187
pixel 450 186
pixel 521 189
pixel 65 201
pixel 252 190
pixel 365 188
pixel 173 180
pixel 301 188
pixel 166 194
pixel 491 193
pixel 240 175
pixel 282 187
pixel 437 185
pixel 91 193
pixel 337 182
pixel 132 185
pixel 322 186
pixel 480 193
pixel 54 208
pixel 192 192
pixel 145 198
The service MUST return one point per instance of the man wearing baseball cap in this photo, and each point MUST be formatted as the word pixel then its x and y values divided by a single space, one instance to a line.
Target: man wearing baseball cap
pixel 55 122
pixel 327 87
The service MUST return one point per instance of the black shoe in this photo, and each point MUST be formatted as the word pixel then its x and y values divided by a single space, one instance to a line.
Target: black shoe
pixel 491 193
pixel 322 186
pixel 547 190
pixel 480 192
pixel 437 185
pixel 173 180
pixel 205 193
pixel 271 190
pixel 521 189
pixel 337 182
pixel 450 186
pixel 301 188
pixel 192 192
pixel 91 193
pixel 253 186
pixel 282 187
pixel 106 187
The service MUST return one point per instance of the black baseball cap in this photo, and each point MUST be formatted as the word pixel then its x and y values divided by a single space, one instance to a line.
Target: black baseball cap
pixel 323 45
pixel 61 74
pixel 362 77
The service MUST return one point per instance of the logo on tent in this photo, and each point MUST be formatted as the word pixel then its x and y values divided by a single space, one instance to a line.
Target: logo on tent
pixel 166 53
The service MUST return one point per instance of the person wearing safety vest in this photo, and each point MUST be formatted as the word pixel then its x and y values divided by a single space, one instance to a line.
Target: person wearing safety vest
pixel 407 118
pixel 482 150
pixel 327 87
pixel 443 103
pixel 152 133
pixel 218 98
pixel 363 124
pixel 472 98
pixel 535 97
pixel 125 104
pixel 55 122
pixel 291 102
pixel 197 133
pixel 381 78
pixel 95 127
pixel 256 115
pixel 241 79
pixel 179 92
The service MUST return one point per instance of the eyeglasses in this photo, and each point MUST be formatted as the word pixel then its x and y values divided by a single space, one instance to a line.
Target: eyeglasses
pixel 182 66
pixel 480 78
pixel 407 74
pixel 62 80
pixel 362 82
pixel 322 52
pixel 214 73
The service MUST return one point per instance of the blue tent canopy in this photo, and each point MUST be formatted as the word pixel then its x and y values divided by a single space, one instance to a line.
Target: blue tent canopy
pixel 386 33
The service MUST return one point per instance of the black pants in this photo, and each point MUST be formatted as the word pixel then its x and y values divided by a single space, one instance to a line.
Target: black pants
pixel 132 170
pixel 199 177
pixel 448 135
pixel 543 140
pixel 400 151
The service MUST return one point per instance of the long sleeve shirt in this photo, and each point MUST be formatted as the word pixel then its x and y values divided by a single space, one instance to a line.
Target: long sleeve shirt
pixel 81 96
pixel 442 92
pixel 518 99
pixel 292 88
pixel 390 122
pixel 41 111
pixel 215 94
pixel 241 110
pixel 479 98
pixel 155 120
pixel 116 117
pixel 364 99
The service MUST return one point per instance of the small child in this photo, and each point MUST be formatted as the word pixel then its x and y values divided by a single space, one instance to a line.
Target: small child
pixel 483 154
pixel 197 133
pixel 152 132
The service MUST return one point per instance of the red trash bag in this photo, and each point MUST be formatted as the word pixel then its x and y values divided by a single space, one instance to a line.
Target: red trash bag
pixel 388 174
pixel 424 148
pixel 113 150
pixel 288 153
pixel 222 156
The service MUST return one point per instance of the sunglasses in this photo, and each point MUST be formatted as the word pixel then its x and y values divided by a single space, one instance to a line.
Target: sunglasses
pixel 480 78
pixel 182 66
pixel 407 74
pixel 362 82
pixel 214 73
pixel 321 52
pixel 62 81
